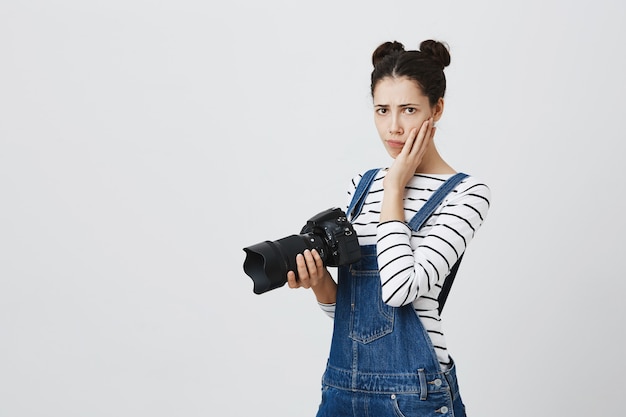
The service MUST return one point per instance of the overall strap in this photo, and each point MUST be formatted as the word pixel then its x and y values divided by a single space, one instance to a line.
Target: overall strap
pixel 424 213
pixel 435 200
pixel 358 198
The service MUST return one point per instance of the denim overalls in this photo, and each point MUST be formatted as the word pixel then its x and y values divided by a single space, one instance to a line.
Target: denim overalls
pixel 382 362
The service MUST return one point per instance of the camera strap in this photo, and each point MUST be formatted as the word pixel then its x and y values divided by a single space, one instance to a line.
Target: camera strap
pixel 358 199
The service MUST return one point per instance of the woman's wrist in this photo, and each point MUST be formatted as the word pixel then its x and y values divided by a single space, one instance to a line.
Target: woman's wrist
pixel 392 206
pixel 326 290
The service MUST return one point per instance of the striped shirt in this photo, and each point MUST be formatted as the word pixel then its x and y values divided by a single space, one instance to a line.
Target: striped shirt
pixel 413 265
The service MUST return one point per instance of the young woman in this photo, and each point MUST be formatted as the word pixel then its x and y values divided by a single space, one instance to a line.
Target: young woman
pixel 388 354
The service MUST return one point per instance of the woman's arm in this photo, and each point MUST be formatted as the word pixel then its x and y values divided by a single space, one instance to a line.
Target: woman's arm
pixel 411 271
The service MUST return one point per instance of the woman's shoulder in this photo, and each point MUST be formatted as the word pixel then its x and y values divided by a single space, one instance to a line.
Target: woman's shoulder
pixel 377 174
pixel 435 180
pixel 469 188
pixel 472 185
pixel 472 192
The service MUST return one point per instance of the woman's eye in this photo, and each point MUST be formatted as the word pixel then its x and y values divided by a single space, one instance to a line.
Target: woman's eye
pixel 381 111
pixel 410 110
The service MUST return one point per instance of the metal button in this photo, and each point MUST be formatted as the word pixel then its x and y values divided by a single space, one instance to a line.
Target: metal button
pixel 443 410
pixel 437 382
pixel 393 396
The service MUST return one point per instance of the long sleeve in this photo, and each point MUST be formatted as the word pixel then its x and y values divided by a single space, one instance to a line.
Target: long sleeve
pixel 414 264
pixel 329 309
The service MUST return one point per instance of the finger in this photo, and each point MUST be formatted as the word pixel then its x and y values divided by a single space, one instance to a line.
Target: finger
pixel 431 135
pixel 310 264
pixel 422 137
pixel 291 280
pixel 410 141
pixel 431 138
pixel 319 263
pixel 303 272
pixel 415 139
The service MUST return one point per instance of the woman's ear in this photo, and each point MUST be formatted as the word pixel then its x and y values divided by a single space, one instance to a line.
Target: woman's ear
pixel 438 109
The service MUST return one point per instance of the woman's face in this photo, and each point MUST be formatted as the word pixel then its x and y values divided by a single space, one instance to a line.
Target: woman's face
pixel 400 106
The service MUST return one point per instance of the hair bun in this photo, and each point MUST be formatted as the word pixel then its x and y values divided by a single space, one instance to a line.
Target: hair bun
pixel 386 49
pixel 437 51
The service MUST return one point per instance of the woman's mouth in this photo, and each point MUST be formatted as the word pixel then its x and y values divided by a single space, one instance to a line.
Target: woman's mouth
pixel 395 143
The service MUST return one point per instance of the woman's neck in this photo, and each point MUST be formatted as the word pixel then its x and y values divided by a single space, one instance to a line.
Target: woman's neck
pixel 433 163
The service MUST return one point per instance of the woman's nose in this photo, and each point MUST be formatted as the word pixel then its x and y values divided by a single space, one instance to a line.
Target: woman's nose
pixel 395 128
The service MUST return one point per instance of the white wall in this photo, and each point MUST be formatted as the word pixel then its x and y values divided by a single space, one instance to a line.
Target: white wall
pixel 144 144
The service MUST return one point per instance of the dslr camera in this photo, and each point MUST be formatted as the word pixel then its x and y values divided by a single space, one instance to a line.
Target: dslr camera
pixel 329 232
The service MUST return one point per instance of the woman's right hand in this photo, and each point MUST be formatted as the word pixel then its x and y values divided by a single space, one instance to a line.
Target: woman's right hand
pixel 406 163
pixel 313 274
pixel 402 170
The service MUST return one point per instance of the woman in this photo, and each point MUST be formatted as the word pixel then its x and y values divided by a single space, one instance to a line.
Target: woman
pixel 388 354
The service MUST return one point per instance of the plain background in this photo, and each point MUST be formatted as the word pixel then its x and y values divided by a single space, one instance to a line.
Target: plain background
pixel 143 144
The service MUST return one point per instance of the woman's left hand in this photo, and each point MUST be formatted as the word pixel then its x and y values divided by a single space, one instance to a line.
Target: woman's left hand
pixel 313 274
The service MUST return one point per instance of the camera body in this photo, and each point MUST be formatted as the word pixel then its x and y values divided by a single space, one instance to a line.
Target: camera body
pixel 328 232
pixel 341 245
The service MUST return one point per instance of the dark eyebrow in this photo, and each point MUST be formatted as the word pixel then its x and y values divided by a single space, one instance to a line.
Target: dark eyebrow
pixel 401 105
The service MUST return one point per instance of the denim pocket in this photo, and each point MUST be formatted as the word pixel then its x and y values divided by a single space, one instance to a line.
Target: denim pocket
pixel 438 404
pixel 370 317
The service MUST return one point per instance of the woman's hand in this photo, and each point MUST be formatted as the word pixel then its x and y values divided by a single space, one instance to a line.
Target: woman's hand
pixel 403 169
pixel 313 274
pixel 410 157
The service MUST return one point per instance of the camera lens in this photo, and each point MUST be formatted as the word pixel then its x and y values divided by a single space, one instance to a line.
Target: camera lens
pixel 267 263
pixel 328 232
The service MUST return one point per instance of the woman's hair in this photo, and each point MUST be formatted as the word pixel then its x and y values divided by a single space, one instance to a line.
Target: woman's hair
pixel 424 66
